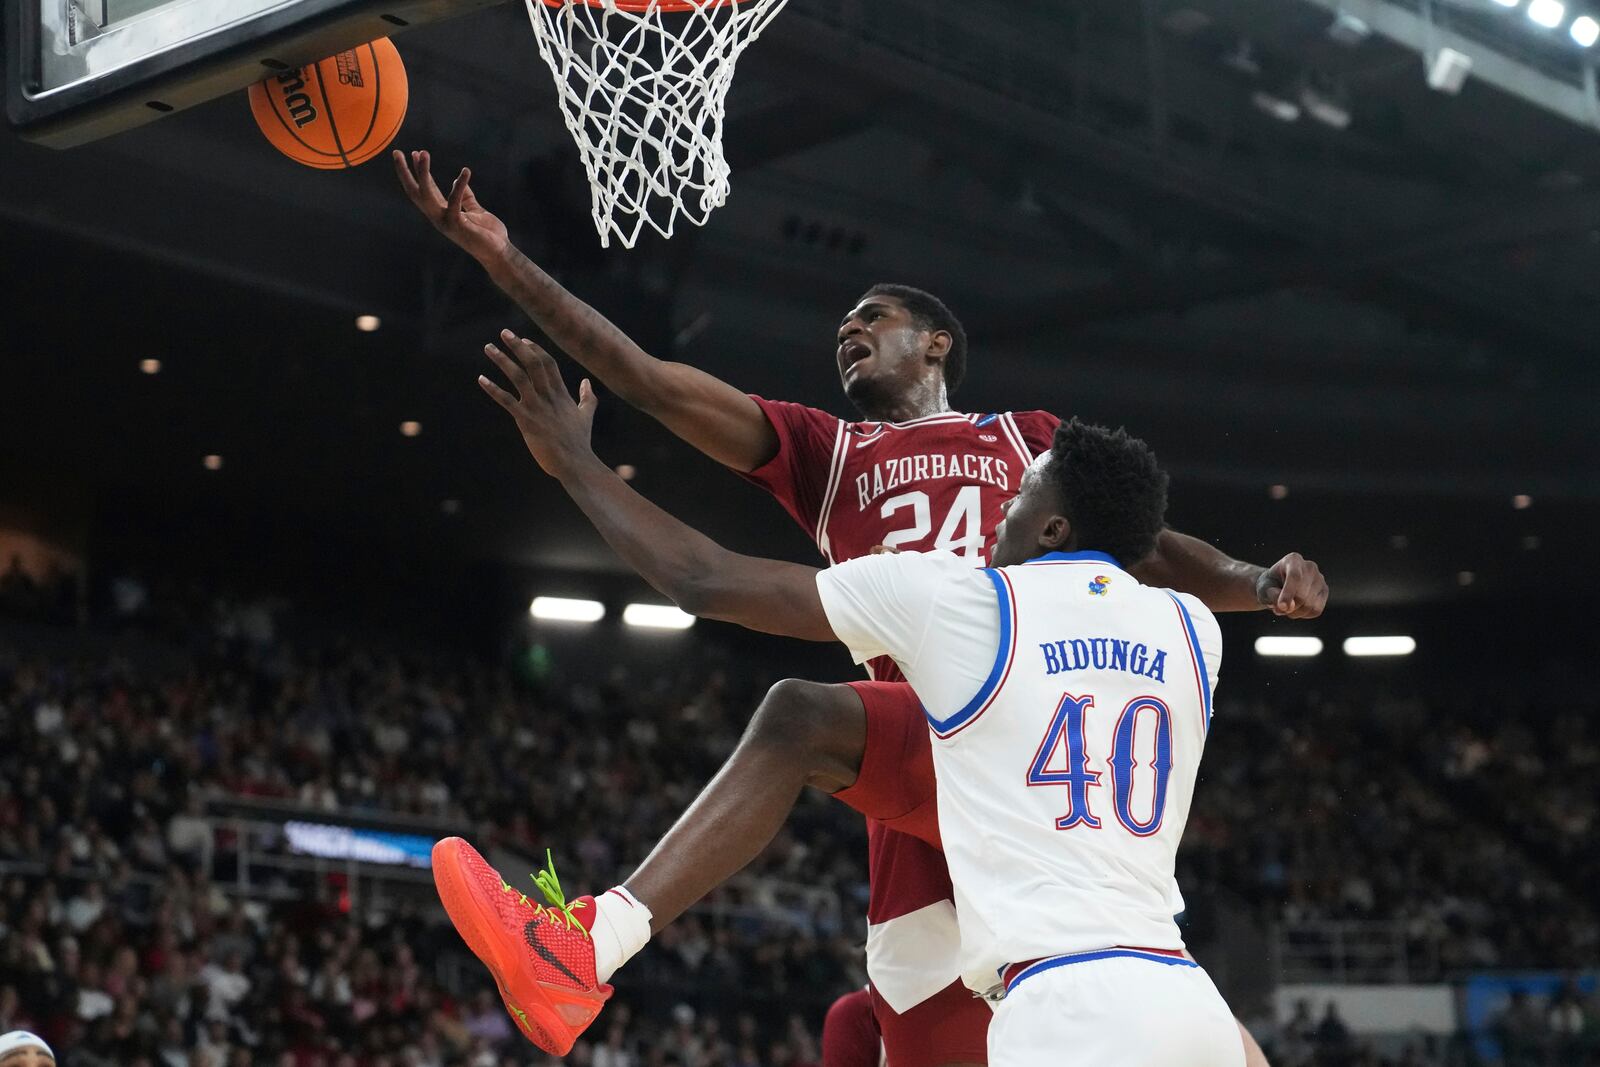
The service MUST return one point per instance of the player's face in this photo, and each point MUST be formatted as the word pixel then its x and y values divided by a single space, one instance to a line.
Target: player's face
pixel 1033 524
pixel 882 353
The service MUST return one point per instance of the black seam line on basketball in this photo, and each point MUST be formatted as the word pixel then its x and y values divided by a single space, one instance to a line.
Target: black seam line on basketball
pixel 322 88
pixel 393 131
pixel 377 95
pixel 294 131
pixel 530 934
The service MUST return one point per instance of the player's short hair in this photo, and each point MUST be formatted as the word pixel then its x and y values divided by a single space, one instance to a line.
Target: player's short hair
pixel 930 313
pixel 1112 489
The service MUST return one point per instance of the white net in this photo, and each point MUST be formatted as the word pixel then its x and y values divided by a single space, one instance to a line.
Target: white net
pixel 643 87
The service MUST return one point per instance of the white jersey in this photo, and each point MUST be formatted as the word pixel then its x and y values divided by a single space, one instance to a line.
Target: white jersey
pixel 1069 706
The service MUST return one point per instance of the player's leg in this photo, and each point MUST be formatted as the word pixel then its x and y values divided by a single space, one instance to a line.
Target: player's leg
pixel 551 962
pixel 803 733
pixel 850 1035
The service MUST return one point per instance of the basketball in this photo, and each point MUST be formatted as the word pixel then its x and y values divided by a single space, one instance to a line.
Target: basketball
pixel 338 112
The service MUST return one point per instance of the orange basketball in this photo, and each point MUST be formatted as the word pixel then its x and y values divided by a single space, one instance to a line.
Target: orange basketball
pixel 336 113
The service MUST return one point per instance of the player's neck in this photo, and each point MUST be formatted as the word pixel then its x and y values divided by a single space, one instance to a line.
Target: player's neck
pixel 923 400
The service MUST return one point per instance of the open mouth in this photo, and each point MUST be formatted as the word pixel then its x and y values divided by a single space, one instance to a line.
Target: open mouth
pixel 852 352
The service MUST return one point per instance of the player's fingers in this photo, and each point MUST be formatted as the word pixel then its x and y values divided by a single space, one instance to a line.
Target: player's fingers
pixel 497 394
pixel 402 170
pixel 587 401
pixel 511 369
pixel 423 167
pixel 537 362
pixel 458 191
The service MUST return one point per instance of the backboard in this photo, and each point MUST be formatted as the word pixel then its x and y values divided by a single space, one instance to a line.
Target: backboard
pixel 80 70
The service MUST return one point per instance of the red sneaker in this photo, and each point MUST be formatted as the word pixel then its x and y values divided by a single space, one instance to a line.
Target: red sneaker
pixel 541 957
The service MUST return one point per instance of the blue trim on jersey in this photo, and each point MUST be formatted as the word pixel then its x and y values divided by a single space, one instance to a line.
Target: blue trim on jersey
pixel 959 719
pixel 1200 660
pixel 987 419
pixel 1076 557
pixel 1089 957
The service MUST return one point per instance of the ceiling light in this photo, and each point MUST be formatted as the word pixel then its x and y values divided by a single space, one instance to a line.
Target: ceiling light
pixel 1349 30
pixel 1288 646
pixel 1465 578
pixel 368 323
pixel 1325 108
pixel 1585 30
pixel 1279 108
pixel 563 609
pixel 410 428
pixel 1531 542
pixel 1398 645
pixel 1278 492
pixel 1522 502
pixel 452 506
pixel 1547 13
pixel 1448 71
pixel 657 616
pixel 1399 542
pixel 627 471
pixel 213 462
pixel 150 366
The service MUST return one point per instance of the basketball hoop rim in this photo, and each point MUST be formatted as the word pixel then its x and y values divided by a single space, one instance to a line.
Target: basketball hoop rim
pixel 639 7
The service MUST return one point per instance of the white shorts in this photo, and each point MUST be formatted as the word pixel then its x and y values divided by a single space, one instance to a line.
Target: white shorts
pixel 1114 1011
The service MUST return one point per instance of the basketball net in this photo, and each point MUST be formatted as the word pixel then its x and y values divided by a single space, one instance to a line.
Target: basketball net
pixel 643 85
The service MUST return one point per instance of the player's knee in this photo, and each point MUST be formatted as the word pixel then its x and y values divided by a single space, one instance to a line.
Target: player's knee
pixel 819 726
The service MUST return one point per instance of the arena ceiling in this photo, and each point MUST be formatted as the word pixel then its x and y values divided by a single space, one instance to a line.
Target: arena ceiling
pixel 1396 320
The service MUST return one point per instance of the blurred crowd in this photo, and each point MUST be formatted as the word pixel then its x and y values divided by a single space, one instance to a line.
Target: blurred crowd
pixel 124 939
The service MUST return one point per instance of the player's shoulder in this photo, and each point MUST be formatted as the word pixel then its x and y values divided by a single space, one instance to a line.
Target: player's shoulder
pixel 1200 617
pixel 791 412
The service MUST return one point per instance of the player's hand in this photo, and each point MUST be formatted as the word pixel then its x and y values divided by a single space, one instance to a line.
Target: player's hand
pixel 554 427
pixel 1293 588
pixel 884 550
pixel 460 218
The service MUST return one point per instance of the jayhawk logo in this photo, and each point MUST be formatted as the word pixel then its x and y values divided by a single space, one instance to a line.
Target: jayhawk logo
pixel 1098 584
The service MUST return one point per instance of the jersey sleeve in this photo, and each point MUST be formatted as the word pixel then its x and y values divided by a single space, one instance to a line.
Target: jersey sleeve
pixel 1038 429
pixel 881 605
pixel 933 613
pixel 798 475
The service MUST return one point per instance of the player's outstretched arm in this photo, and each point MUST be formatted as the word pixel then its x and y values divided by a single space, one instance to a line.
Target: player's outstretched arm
pixel 695 572
pixel 703 410
pixel 1293 587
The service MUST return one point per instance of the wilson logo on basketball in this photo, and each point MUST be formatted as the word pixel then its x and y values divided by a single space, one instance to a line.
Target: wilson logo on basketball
pixel 295 100
pixel 349 66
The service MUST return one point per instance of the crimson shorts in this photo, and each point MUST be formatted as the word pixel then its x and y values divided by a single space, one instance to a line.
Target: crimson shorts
pixel 895 786
pixel 850 1035
pixel 895 791
pixel 950 1027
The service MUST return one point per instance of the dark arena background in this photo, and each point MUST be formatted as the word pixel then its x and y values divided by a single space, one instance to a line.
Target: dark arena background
pixel 267 554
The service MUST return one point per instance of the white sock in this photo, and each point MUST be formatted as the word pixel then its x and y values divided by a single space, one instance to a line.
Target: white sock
pixel 621 928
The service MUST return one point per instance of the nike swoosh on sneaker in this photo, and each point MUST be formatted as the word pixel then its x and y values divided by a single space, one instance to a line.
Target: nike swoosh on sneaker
pixel 530 934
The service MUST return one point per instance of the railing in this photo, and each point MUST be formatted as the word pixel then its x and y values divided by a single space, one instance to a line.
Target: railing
pixel 1353 951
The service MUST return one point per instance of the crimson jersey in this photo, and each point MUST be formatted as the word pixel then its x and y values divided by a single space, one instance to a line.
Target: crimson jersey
pixel 937 482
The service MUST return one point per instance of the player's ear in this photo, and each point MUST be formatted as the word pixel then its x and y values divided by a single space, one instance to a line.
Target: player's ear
pixel 1056 534
pixel 939 342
